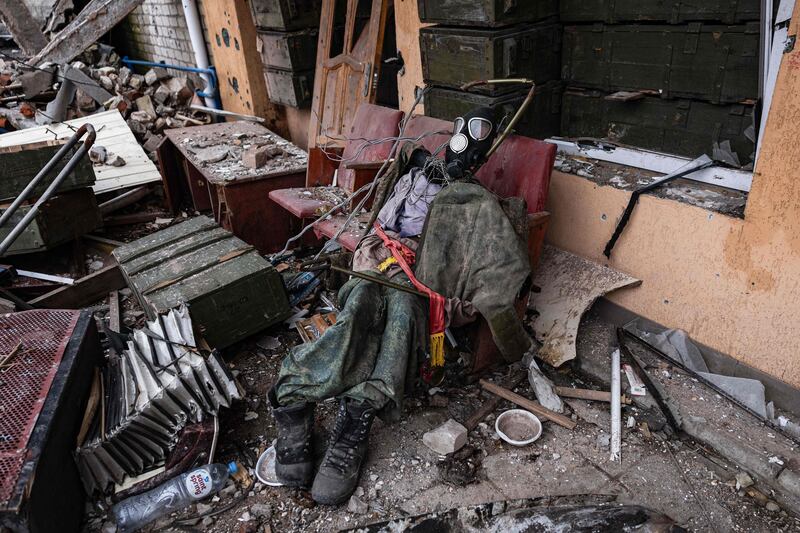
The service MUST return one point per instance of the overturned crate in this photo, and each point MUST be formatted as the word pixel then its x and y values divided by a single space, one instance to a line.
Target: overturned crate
pixel 230 290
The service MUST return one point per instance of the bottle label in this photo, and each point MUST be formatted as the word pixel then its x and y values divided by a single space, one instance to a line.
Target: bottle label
pixel 198 483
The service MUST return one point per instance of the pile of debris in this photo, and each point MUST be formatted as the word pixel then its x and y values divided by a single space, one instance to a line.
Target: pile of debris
pixel 97 81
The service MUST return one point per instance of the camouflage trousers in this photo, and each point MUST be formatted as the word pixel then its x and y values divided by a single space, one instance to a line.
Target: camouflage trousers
pixel 370 354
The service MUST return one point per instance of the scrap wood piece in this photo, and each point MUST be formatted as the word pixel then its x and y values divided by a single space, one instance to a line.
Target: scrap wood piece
pixel 94 21
pixel 84 291
pixel 569 286
pixel 534 407
pixel 23 27
pixel 112 133
pixel 588 394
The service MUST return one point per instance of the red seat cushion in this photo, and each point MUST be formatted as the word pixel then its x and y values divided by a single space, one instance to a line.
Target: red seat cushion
pixel 351 236
pixel 371 123
pixel 430 132
pixel 300 202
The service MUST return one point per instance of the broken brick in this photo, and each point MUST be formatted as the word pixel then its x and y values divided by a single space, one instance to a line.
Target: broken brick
pixel 257 156
pixel 155 75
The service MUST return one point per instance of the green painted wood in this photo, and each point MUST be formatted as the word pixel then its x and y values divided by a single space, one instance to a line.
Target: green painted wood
pixel 452 57
pixel 290 88
pixel 486 12
pixel 295 51
pixel 286 15
pixel 21 163
pixel 61 219
pixel 231 291
pixel 706 62
pixel 682 127
pixel 616 11
pixel 541 120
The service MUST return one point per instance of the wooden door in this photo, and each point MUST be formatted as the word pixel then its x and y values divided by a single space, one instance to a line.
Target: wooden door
pixel 345 80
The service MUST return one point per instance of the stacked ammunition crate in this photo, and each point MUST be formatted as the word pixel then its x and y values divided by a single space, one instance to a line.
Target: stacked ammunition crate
pixel 490 39
pixel 663 76
pixel 287 37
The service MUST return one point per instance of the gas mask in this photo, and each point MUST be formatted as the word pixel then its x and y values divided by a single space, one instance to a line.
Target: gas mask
pixel 473 135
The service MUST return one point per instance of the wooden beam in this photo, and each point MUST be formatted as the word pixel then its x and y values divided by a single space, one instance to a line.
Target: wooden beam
pixel 23 26
pixel 84 291
pixel 240 71
pixel 94 21
pixel 534 407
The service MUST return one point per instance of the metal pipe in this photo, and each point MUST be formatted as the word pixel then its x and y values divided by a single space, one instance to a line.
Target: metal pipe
pixel 212 89
pixel 380 281
pixel 26 192
pixel 68 168
pixel 198 45
pixel 616 408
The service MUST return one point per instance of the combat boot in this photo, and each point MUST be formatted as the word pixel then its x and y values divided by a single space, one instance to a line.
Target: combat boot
pixel 338 475
pixel 294 462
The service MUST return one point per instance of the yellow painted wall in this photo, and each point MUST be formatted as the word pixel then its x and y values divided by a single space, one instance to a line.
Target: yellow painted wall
pixel 732 284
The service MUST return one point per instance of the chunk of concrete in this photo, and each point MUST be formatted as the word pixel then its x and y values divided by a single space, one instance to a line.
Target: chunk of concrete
pixel 125 75
pixel 257 156
pixel 145 103
pixel 155 75
pixel 136 81
pixel 180 89
pixel 447 438
pixel 162 94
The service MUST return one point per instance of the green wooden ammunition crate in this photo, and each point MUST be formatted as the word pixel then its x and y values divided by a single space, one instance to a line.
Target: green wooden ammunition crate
pixel 701 61
pixel 615 11
pixel 231 291
pixel 286 15
pixel 486 12
pixel 683 127
pixel 293 51
pixel 21 163
pixel 452 57
pixel 61 219
pixel 290 88
pixel 541 120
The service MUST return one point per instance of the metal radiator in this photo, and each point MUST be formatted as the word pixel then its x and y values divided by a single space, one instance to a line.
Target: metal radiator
pixel 151 391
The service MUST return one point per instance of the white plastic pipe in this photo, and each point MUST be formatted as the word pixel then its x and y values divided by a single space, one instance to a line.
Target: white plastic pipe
pixel 192 17
pixel 616 408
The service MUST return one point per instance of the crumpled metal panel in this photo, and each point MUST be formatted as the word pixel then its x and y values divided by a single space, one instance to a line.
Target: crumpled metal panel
pixel 159 384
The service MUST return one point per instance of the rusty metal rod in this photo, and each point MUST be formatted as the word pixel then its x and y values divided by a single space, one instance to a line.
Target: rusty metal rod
pixel 587 394
pixel 68 168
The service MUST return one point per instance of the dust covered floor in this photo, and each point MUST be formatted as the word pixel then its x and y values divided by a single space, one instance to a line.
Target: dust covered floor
pixel 402 477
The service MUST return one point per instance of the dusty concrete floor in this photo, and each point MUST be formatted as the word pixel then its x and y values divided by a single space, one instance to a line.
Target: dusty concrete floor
pixel 402 477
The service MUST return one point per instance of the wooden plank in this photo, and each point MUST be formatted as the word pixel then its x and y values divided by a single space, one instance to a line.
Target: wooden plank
pixel 407 24
pixel 84 291
pixel 22 26
pixel 534 407
pixel 114 134
pixel 234 45
pixel 94 21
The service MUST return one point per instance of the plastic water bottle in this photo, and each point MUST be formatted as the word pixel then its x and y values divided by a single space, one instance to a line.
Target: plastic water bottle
pixel 137 511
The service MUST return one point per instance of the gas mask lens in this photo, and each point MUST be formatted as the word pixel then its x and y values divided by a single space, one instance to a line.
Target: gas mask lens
pixel 479 128
pixel 457 125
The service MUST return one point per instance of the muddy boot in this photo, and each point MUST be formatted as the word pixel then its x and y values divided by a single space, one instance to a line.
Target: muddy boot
pixel 294 463
pixel 338 475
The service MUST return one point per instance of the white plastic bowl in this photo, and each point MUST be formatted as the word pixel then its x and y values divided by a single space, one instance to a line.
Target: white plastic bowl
pixel 518 427
pixel 265 468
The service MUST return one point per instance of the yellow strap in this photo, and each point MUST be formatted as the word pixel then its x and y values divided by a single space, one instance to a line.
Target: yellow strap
pixel 437 350
pixel 383 267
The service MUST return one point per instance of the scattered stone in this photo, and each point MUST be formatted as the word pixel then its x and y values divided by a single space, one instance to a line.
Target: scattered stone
pixel 162 95
pixel 228 490
pixel 155 74
pixel 207 521
pixel 438 400
pixel 245 517
pixel 203 508
pixel 138 128
pixel 772 506
pixel 180 89
pixel 141 116
pixel 165 111
pixel 258 156
pixel 268 343
pixel 115 160
pixel 136 82
pixel 151 141
pixel 261 510
pixel 447 438
pixel 145 103
pixel 356 505
pixel 106 83
pixel 250 415
pixel 212 154
pixel 98 154
pixel 604 441
pixel 743 480
pixel 124 75
pixel 373 477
